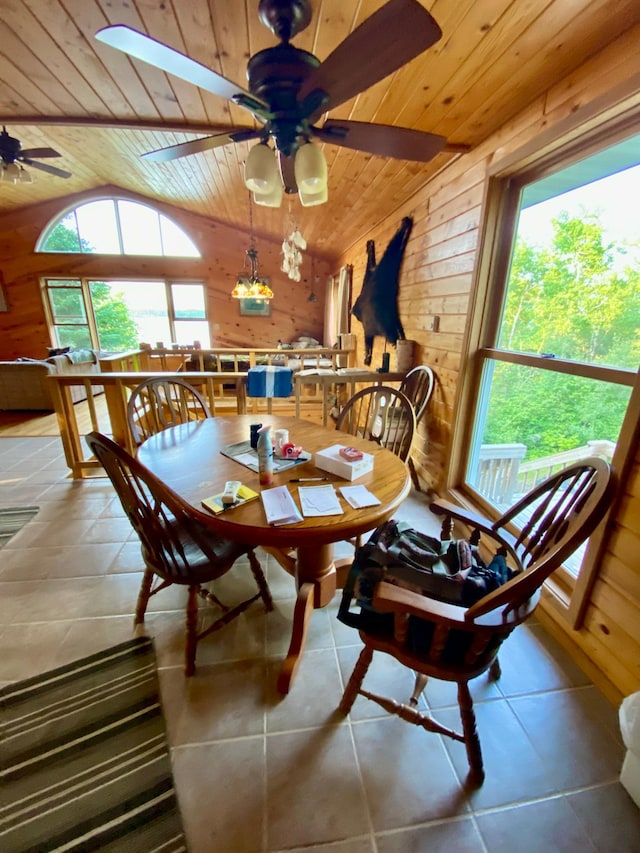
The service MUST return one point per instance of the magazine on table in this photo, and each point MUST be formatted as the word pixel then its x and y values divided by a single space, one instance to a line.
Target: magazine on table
pixel 246 455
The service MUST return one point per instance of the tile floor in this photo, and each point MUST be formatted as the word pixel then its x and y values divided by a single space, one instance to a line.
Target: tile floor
pixel 259 772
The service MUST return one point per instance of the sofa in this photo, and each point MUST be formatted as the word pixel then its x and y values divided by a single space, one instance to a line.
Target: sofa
pixel 24 385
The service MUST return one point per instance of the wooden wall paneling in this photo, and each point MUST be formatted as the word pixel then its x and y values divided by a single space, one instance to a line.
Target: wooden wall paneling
pixel 549 61
pixel 23 329
pixel 437 277
pixel 606 68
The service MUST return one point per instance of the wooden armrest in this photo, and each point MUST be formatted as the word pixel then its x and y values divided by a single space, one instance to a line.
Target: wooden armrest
pixel 488 612
pixel 389 598
pixel 473 519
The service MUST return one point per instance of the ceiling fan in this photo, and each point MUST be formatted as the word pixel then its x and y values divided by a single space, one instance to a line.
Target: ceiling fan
pixel 290 89
pixel 12 153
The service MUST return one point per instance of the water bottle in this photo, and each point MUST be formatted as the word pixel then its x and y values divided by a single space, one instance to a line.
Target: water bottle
pixel 265 456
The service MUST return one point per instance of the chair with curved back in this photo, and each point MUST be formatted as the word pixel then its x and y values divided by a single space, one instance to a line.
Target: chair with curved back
pixel 455 643
pixel 418 386
pixel 382 414
pixel 159 403
pixel 177 548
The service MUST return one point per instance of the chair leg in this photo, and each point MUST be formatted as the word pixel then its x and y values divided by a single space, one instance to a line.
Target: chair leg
pixel 191 630
pixel 357 676
pixel 143 596
pixel 265 592
pixel 495 670
pixel 471 739
pixel 414 474
pixel 418 687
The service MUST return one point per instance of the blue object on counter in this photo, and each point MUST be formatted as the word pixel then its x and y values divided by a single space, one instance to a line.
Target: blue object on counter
pixel 270 381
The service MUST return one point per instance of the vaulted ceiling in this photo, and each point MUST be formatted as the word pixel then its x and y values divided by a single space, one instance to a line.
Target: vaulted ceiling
pixel 61 88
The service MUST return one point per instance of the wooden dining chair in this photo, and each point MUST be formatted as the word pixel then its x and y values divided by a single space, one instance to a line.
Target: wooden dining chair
pixel 418 386
pixel 454 643
pixel 159 403
pixel 382 414
pixel 177 548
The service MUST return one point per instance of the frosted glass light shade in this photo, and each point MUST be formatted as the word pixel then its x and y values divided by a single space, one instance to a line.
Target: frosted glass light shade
pixel 260 170
pixel 11 172
pixel 311 199
pixel 272 199
pixel 310 169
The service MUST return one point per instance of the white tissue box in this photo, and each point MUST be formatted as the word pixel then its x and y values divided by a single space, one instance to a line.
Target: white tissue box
pixel 330 460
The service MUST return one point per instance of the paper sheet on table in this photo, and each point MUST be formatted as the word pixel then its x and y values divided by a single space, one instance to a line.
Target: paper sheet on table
pixel 279 506
pixel 319 500
pixel 358 497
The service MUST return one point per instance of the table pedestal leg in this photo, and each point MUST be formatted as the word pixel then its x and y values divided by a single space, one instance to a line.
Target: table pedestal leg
pixel 316 580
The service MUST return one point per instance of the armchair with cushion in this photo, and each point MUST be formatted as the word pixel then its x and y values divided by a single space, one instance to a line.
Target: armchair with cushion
pixel 456 643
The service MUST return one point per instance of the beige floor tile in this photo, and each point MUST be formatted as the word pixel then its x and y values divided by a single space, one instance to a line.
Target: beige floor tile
pixel 80 561
pixel 548 825
pixel 314 695
pixel 206 706
pixel 407 774
pixel 221 793
pixel 258 772
pixel 314 793
pixel 459 835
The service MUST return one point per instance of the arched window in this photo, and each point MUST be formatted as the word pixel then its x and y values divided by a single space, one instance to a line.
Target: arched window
pixel 115 314
pixel 116 226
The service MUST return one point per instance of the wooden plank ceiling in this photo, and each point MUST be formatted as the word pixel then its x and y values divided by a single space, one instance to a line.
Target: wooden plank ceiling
pixel 60 87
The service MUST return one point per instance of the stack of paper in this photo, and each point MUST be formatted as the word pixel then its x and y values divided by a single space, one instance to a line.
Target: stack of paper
pixel 319 500
pixel 279 506
pixel 359 496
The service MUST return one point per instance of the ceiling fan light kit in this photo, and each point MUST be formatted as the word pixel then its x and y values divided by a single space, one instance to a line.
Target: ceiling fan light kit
pixel 310 169
pixel 272 199
pixel 261 170
pixel 290 90
pixel 313 199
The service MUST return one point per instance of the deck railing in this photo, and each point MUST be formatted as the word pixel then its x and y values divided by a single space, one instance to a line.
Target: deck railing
pixel 503 478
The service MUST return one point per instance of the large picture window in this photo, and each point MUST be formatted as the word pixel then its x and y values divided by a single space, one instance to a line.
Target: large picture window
pixel 560 343
pixel 116 316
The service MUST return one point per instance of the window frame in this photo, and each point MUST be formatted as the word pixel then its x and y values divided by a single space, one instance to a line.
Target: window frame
pixel 85 289
pixel 57 220
pixel 589 130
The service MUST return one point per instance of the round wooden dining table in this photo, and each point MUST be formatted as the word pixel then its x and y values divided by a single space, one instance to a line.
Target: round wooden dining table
pixel 188 459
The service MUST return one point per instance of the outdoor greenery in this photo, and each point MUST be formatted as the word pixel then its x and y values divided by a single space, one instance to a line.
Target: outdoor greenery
pixel 117 330
pixel 574 299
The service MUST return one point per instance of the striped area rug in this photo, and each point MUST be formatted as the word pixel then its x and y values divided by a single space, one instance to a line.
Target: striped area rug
pixel 12 519
pixel 84 762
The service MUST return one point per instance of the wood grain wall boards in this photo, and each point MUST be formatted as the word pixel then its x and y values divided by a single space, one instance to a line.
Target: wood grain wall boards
pixel 437 276
pixel 23 330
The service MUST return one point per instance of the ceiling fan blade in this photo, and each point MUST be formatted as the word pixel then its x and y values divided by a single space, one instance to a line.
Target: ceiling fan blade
pixel 44 167
pixel 205 143
pixel 142 46
pixel 39 152
pixel 395 34
pixel 402 143
pixel 287 172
